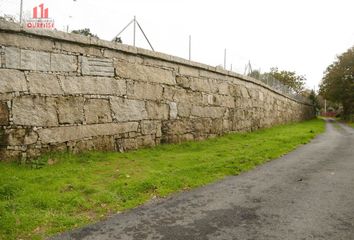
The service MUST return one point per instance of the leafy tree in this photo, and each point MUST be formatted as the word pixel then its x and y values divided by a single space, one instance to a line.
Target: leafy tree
pixel 85 32
pixel 118 40
pixel 291 79
pixel 338 83
pixel 314 100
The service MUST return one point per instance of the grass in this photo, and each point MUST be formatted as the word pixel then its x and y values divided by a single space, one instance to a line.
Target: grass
pixel 351 124
pixel 73 190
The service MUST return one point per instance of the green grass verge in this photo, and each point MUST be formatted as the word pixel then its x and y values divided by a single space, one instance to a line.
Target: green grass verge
pixel 78 189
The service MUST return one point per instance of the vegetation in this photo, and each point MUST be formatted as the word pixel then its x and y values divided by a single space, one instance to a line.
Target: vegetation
pixel 72 190
pixel 314 100
pixel 289 78
pixel 85 32
pixel 338 83
pixel 118 40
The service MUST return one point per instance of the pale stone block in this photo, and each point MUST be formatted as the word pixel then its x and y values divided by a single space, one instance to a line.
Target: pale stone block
pixel 122 56
pixel 70 110
pixel 210 74
pixel 157 110
pixel 12 81
pixel 7 96
pixel 70 133
pixel 161 64
pixel 184 109
pixel 8 25
pixel 183 81
pixel 2 57
pixel 33 60
pixel 173 110
pixel 25 41
pixel 253 93
pixel 44 83
pixel 188 71
pixel 151 127
pixel 182 95
pixel 177 127
pixel 70 47
pixel 261 96
pixel 12 57
pixel 202 125
pixel 212 112
pixel 128 109
pixel 94 85
pixel 97 66
pixel 141 90
pixel 203 85
pixel 224 101
pixel 244 92
pixel 97 111
pixel 144 73
pixel 200 84
pixel 34 111
pixel 169 92
pixel 63 63
pixel 223 88
pixel 208 99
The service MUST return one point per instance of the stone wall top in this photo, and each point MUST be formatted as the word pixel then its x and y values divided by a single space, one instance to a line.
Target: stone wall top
pixel 11 27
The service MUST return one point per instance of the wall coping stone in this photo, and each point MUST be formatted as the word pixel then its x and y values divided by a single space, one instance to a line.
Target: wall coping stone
pixel 6 26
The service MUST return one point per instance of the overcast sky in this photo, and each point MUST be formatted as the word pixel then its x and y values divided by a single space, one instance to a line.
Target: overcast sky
pixel 297 35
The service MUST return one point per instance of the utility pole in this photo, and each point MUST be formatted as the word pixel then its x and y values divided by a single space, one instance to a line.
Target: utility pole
pixel 225 59
pixel 325 107
pixel 21 11
pixel 190 47
pixel 134 29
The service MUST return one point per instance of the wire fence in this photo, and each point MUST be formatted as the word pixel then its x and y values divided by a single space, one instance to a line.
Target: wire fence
pixel 274 83
pixel 283 88
pixel 279 86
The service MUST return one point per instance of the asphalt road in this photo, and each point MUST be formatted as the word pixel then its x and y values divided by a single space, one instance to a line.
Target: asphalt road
pixel 307 194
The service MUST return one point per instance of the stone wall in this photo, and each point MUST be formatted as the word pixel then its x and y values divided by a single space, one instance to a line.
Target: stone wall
pixel 62 91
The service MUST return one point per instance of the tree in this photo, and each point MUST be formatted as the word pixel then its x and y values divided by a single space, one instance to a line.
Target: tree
pixel 338 83
pixel 315 103
pixel 85 32
pixel 118 40
pixel 291 79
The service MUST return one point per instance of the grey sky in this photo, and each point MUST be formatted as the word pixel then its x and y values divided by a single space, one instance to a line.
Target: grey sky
pixel 297 35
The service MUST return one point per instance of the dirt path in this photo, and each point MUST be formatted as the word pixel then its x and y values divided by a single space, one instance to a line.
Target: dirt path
pixel 307 194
